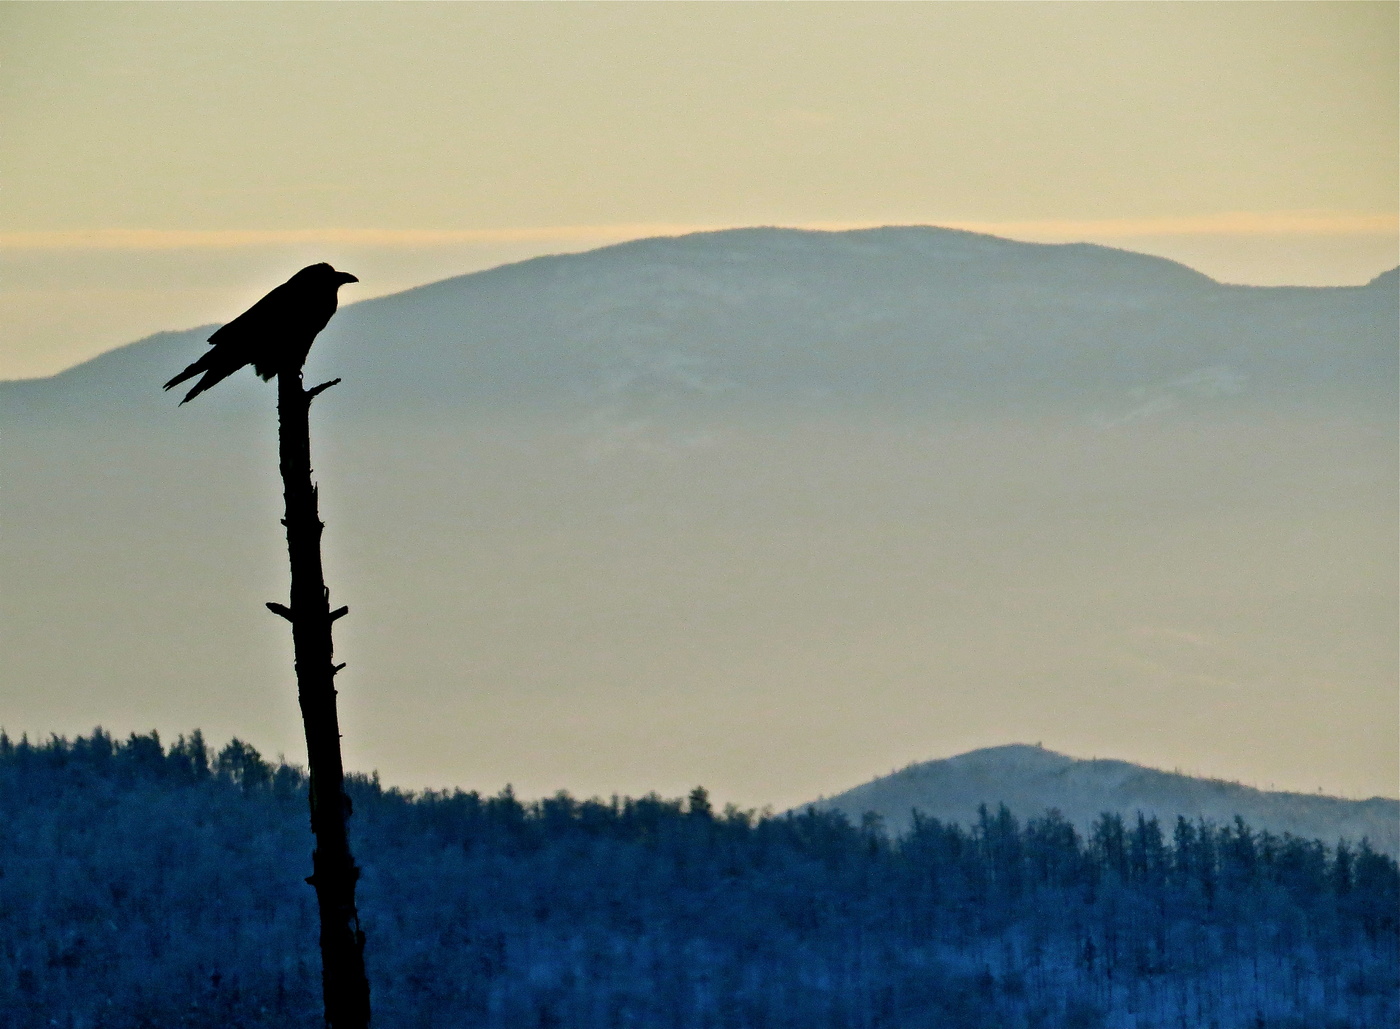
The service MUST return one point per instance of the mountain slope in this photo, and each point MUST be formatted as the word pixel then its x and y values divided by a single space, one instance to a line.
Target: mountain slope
pixel 1030 780
pixel 756 487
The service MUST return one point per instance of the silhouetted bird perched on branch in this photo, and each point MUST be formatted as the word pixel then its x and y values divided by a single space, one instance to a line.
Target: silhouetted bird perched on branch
pixel 274 334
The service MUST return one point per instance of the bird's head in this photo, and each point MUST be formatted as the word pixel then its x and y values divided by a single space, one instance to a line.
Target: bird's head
pixel 325 273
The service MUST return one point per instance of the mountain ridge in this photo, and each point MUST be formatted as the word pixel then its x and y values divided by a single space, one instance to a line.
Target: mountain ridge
pixel 742 271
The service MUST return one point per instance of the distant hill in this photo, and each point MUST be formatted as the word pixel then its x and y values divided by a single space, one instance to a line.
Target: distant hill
pixel 1030 780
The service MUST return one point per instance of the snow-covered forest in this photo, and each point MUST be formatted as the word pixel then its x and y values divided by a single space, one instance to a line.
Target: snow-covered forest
pixel 144 885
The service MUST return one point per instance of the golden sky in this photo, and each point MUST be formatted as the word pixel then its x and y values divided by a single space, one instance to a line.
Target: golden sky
pixel 160 158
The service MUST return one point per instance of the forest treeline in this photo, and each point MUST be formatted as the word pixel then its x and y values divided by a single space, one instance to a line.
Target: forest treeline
pixel 146 885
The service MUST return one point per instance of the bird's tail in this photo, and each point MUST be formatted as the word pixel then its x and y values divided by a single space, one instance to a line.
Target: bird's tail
pixel 211 376
pixel 210 379
pixel 188 373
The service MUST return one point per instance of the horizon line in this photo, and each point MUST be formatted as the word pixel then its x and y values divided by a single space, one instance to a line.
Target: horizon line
pixel 1238 223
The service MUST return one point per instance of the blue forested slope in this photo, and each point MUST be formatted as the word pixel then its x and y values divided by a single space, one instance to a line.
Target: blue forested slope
pixel 143 885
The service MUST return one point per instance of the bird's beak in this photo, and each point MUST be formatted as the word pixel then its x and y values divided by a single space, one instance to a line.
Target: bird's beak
pixel 347 277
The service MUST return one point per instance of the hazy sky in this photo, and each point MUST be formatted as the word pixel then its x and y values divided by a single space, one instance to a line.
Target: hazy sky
pixel 161 163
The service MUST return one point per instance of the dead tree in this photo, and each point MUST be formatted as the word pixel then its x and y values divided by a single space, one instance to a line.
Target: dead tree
pixel 343 982
pixel 274 336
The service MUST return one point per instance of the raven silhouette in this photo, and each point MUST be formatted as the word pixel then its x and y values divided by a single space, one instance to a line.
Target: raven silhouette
pixel 275 334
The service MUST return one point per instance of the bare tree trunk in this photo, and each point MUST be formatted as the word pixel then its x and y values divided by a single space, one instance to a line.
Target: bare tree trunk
pixel 343 982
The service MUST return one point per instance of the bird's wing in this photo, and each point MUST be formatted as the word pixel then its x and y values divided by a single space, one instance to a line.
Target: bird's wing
pixel 265 314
